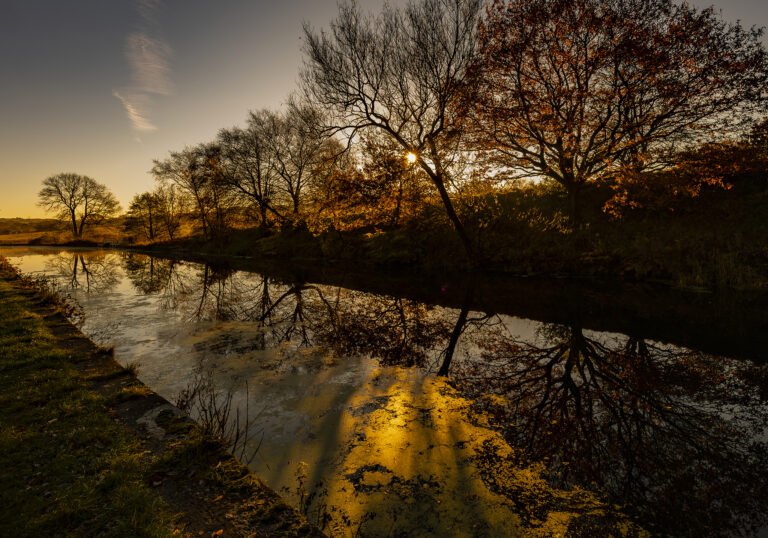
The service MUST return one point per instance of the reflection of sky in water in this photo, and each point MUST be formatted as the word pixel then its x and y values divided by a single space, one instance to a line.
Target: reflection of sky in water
pixel 328 383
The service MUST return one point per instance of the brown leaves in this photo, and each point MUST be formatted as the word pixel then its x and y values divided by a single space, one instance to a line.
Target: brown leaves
pixel 717 166
pixel 582 90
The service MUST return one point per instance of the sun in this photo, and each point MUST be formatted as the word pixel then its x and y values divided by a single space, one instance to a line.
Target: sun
pixel 411 157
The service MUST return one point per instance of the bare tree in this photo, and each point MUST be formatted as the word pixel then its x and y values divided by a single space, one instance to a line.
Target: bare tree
pixel 181 168
pixel 221 200
pixel 398 73
pixel 249 164
pixel 197 172
pixel 297 146
pixel 79 199
pixel 143 213
pixel 171 206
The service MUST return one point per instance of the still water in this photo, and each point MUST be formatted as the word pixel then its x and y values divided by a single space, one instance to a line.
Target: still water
pixel 384 412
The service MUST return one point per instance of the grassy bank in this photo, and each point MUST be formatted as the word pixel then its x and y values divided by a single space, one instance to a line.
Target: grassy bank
pixel 75 459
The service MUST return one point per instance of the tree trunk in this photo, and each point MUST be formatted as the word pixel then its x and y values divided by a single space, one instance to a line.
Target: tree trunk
pixel 396 216
pixel 573 206
pixel 151 227
pixel 87 274
pixel 456 333
pixel 454 218
pixel 74 224
pixel 204 221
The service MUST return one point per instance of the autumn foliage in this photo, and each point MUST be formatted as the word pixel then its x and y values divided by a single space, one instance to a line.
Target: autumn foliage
pixel 711 166
pixel 383 191
pixel 585 90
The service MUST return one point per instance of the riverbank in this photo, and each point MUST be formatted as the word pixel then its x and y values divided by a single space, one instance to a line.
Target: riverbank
pixel 715 241
pixel 87 449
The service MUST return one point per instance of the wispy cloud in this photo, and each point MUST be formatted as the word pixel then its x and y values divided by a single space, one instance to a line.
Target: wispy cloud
pixel 148 10
pixel 149 60
pixel 135 111
pixel 149 63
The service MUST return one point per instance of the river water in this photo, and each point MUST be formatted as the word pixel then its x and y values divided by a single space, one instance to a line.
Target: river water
pixel 390 406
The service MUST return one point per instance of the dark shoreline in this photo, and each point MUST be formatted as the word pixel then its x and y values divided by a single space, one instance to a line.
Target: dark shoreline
pixel 723 323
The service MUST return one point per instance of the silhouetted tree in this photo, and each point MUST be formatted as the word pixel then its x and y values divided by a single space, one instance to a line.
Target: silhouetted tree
pixel 249 164
pixel 398 73
pixel 197 172
pixel 79 199
pixel 576 90
pixel 183 169
pixel 298 148
pixel 143 214
pixel 171 205
pixel 219 197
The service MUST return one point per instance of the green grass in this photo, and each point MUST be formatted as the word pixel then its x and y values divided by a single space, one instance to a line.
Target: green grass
pixel 66 468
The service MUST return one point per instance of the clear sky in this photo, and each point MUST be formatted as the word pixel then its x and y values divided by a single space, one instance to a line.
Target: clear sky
pixel 102 87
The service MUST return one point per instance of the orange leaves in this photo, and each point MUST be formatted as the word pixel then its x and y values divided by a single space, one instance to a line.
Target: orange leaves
pixel 583 90
pixel 718 166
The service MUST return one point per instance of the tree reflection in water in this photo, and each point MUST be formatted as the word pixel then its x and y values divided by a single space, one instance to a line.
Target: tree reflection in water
pixel 91 272
pixel 671 434
pixel 675 437
pixel 150 275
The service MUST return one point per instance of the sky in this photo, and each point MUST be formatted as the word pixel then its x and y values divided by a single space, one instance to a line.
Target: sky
pixel 101 88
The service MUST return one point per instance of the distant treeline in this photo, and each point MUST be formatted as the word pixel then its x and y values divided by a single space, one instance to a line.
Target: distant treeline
pixel 436 105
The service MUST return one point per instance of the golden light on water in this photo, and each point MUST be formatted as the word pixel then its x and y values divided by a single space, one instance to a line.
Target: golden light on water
pixel 411 157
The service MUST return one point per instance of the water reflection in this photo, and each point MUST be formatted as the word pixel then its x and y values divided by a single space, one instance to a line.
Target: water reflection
pixel 85 270
pixel 151 275
pixel 676 436
pixel 660 430
pixel 412 415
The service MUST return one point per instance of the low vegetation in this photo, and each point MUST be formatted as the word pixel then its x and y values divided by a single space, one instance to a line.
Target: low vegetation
pixel 65 465
pixel 713 240
pixel 55 232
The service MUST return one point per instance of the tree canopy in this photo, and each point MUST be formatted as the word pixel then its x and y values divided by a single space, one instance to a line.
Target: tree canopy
pixel 398 73
pixel 575 90
pixel 79 199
